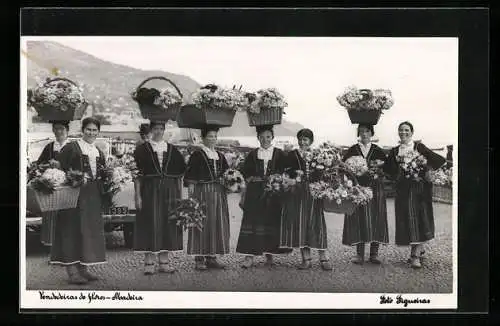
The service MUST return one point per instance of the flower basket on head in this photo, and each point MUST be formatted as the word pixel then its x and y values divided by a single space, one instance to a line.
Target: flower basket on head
pixel 65 197
pixel 265 108
pixel 58 99
pixel 159 105
pixel 365 106
pixel 213 105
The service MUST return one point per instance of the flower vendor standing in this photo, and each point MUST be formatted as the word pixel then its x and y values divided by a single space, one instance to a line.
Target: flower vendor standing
pixel 409 163
pixel 303 223
pixel 79 232
pixel 158 187
pixel 368 223
pixel 204 178
pixel 260 226
pixel 47 157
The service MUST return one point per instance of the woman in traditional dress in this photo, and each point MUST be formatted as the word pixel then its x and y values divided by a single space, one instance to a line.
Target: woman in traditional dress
pixel 260 226
pixel 79 232
pixel 157 189
pixel 413 203
pixel 368 223
pixel 303 222
pixel 48 157
pixel 204 179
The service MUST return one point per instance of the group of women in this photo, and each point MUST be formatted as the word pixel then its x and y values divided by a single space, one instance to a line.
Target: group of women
pixel 270 226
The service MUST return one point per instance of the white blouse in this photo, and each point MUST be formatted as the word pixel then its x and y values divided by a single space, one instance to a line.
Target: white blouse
pixel 91 151
pixel 405 148
pixel 266 155
pixel 159 148
pixel 365 149
pixel 58 146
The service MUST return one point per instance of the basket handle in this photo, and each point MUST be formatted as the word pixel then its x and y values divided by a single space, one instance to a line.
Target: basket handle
pixel 48 81
pixel 368 92
pixel 161 78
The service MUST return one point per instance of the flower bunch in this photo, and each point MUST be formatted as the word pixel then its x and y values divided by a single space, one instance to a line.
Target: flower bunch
pixel 233 180
pixel 353 98
pixel 217 97
pixel 234 159
pixel 75 178
pixel 441 177
pixel 265 99
pixel 116 176
pixel 412 164
pixel 357 165
pixel 345 190
pixel 188 214
pixel 375 169
pixel 282 183
pixel 49 180
pixel 60 94
pixel 167 98
pixel 324 158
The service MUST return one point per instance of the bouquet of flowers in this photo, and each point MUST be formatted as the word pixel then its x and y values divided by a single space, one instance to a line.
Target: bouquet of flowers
pixel 216 97
pixel 60 94
pixel 278 184
pixel 357 165
pixel 164 98
pixel 188 214
pixel 375 169
pixel 343 190
pixel 49 180
pixel 265 99
pixel 441 177
pixel 75 178
pixel 412 164
pixel 324 158
pixel 362 99
pixel 233 180
pixel 235 159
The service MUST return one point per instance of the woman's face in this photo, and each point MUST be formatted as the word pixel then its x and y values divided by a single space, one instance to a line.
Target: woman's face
pixel 146 137
pixel 210 139
pixel 90 133
pixel 60 132
pixel 364 134
pixel 405 133
pixel 305 143
pixel 157 132
pixel 265 138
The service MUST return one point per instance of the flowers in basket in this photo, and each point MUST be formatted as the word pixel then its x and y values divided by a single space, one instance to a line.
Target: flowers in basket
pixel 75 178
pixel 60 94
pixel 233 180
pixel 343 190
pixel 353 98
pixel 118 173
pixel 441 177
pixel 375 169
pixel 217 97
pixel 48 180
pixel 164 98
pixel 265 99
pixel 413 165
pixel 357 165
pixel 324 158
pixel 188 214
pixel 279 184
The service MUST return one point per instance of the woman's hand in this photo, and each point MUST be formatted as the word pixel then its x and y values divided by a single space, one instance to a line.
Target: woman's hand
pixel 138 203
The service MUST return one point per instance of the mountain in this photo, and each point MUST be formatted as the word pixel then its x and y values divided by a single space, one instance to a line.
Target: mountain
pixel 107 85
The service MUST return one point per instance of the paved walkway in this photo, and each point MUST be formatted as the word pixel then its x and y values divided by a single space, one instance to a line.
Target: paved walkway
pixel 124 268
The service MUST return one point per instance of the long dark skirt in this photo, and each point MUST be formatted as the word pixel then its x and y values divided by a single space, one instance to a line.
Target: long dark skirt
pixel 303 221
pixel 369 222
pixel 48 228
pixel 79 232
pixel 154 232
pixel 260 226
pixel 214 238
pixel 414 212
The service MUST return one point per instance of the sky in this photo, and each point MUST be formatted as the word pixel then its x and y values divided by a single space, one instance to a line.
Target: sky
pixel 422 74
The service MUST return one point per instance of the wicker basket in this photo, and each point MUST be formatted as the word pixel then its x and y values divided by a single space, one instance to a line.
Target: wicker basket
pixel 154 112
pixel 346 207
pixel 49 112
pixel 61 198
pixel 191 116
pixel 370 117
pixel 265 117
pixel 442 194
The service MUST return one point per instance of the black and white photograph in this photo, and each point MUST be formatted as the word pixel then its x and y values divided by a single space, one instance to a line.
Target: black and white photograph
pixel 239 172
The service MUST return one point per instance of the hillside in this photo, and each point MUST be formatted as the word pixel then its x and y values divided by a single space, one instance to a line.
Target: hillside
pixel 108 86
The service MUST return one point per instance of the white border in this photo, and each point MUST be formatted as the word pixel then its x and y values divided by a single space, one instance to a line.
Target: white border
pixel 220 300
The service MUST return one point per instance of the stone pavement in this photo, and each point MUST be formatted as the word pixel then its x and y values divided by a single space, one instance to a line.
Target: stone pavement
pixel 124 268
